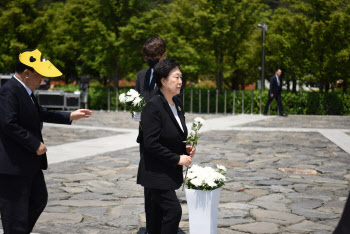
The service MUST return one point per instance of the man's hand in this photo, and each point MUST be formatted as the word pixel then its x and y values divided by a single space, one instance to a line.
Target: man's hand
pixel 191 150
pixel 271 95
pixel 42 149
pixel 185 160
pixel 81 113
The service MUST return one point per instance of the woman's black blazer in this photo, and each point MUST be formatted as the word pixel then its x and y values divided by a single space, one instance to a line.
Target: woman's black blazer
pixel 161 144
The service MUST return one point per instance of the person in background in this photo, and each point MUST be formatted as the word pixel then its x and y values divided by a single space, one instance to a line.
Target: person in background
pixel 275 92
pixel 23 192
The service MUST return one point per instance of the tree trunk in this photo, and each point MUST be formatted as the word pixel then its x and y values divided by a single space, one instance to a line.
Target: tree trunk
pixel 321 87
pixel 220 76
pixel 115 79
pixel 294 89
pixel 326 87
pixel 288 86
pixel 345 85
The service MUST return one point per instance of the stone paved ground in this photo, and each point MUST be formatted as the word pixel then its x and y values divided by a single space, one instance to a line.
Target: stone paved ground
pixel 279 181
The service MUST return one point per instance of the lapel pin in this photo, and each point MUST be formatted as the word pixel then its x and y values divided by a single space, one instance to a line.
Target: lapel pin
pixel 179 108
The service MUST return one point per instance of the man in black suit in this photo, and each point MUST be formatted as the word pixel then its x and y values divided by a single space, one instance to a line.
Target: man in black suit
pixel 23 192
pixel 275 92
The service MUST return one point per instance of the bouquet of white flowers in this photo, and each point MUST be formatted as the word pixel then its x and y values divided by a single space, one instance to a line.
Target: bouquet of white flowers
pixel 132 101
pixel 205 178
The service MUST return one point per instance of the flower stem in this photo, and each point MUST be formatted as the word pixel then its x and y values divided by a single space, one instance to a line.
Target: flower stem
pixel 185 180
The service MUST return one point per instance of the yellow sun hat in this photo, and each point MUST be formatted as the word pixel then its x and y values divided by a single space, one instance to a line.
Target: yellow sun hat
pixel 44 68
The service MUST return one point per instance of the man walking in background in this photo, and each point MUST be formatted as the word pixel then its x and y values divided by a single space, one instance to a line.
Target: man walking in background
pixel 23 192
pixel 275 92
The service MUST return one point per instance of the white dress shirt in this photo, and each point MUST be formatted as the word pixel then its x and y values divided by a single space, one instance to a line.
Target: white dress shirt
pixel 173 108
pixel 29 91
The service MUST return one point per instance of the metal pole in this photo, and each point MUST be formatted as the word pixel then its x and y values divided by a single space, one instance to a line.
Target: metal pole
pixel 251 102
pixel 260 99
pixel 199 100
pixel 109 100
pixel 234 102
pixel 242 101
pixel 191 103
pixel 208 104
pixel 225 103
pixel 125 105
pixel 264 28
pixel 217 101
pixel 116 100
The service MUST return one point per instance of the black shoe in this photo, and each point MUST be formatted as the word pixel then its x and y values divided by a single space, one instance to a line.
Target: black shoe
pixel 264 113
pixel 283 115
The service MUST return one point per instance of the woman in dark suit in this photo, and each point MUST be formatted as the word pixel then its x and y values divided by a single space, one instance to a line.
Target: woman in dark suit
pixel 164 153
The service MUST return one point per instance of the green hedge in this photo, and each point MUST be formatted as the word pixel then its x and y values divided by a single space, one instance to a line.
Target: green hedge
pixel 302 103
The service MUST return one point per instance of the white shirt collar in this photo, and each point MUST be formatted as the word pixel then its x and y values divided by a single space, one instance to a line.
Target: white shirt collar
pixel 25 86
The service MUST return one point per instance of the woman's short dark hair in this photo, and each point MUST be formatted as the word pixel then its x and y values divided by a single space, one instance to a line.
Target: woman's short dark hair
pixel 162 70
pixel 154 47
pixel 20 67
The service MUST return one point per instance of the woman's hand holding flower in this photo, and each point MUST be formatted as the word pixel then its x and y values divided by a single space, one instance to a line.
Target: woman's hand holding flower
pixel 190 150
pixel 185 160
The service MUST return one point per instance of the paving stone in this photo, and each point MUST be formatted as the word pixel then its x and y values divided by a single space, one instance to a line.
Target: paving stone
pixel 57 209
pixel 313 215
pixel 231 222
pixel 81 203
pixel 91 211
pixel 273 182
pixel 281 189
pixel 307 227
pixel 275 217
pixel 66 218
pixel 232 214
pixel 257 227
pixel 307 204
pixel 237 206
pixel 256 192
pixel 236 197
pixel 298 171
pixel 73 190
pixel 273 202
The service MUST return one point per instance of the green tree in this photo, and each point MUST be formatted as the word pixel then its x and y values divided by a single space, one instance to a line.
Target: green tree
pixel 309 40
pixel 287 45
pixel 20 29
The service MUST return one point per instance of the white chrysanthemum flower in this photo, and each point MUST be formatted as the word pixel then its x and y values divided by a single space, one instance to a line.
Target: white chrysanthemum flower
pixel 129 99
pixel 199 120
pixel 191 176
pixel 211 181
pixel 133 93
pixel 122 98
pixel 197 182
pixel 194 168
pixel 137 101
pixel 220 167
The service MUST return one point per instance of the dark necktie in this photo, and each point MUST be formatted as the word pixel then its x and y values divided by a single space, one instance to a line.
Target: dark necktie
pixel 35 102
